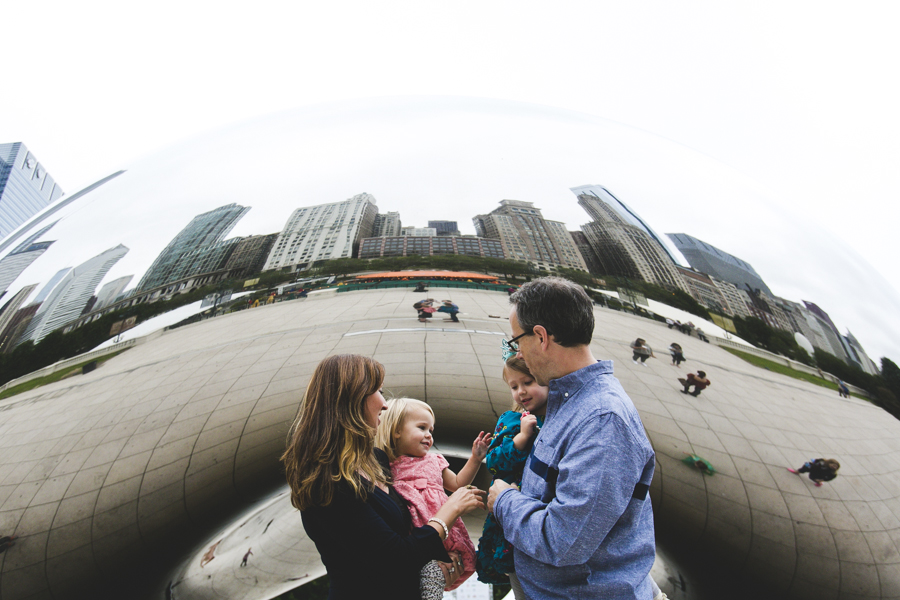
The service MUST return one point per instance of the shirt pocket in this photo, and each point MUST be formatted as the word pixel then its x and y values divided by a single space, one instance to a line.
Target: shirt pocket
pixel 544 467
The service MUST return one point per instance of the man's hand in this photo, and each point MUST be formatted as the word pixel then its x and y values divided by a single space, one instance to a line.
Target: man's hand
pixel 496 489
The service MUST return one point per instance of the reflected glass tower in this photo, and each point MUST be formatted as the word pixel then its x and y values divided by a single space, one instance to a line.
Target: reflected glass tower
pixel 12 265
pixel 597 201
pixel 624 245
pixel 197 249
pixel 71 295
pixel 25 187
pixel 712 261
pixel 445 228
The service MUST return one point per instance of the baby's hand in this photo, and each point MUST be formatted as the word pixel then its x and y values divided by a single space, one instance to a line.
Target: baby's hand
pixel 480 445
pixel 529 424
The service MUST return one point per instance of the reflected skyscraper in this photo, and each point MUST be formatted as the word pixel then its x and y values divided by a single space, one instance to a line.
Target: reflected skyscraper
pixel 527 236
pixel 71 295
pixel 10 310
pixel 25 187
pixel 708 259
pixel 323 232
pixel 110 291
pixel 445 228
pixel 387 224
pixel 48 287
pixel 19 259
pixel 597 201
pixel 197 249
pixel 623 244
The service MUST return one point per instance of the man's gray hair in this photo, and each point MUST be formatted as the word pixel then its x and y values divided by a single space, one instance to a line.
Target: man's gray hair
pixel 560 306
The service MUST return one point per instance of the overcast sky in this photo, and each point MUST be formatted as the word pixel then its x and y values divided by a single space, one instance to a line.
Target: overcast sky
pixel 801 98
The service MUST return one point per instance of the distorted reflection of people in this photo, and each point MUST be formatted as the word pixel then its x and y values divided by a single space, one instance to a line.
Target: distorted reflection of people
pixel 360 525
pixel 699 382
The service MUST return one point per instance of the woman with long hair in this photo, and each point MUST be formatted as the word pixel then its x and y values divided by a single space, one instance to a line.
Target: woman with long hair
pixel 341 484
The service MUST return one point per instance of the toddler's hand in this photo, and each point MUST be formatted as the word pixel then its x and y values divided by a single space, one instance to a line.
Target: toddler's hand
pixel 480 445
pixel 529 424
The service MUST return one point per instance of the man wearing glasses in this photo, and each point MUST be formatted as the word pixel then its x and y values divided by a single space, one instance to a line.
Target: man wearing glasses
pixel 582 524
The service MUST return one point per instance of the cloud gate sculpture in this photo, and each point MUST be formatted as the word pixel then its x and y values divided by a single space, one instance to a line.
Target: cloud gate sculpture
pixel 167 453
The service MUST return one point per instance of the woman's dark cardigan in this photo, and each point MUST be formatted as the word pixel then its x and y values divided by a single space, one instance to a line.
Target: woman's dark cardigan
pixel 370 549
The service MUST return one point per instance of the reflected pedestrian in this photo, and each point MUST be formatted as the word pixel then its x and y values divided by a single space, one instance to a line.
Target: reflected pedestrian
pixel 641 351
pixel 246 556
pixel 451 309
pixel 820 470
pixel 677 354
pixel 699 382
pixel 843 390
pixel 210 554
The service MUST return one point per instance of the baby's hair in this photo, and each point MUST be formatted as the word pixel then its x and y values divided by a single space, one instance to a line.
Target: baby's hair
pixel 516 364
pixel 832 464
pixel 701 373
pixel 392 421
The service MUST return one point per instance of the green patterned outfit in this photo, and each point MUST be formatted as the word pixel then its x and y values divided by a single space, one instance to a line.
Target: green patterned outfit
pixel 494 558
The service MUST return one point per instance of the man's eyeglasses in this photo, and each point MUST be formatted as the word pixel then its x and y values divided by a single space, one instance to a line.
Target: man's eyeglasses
pixel 510 348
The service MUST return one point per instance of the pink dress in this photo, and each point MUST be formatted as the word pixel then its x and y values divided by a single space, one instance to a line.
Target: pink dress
pixel 420 481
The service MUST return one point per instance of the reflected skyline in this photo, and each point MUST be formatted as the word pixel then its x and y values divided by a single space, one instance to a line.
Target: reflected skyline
pixel 452 159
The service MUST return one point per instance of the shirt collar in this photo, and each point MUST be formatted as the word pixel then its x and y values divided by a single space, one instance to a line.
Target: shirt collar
pixel 571 383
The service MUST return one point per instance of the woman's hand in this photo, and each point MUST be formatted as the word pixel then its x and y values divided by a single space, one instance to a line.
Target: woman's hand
pixel 480 445
pixel 452 570
pixel 461 502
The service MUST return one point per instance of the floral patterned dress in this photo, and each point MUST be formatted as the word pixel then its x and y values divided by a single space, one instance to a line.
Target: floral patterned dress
pixel 420 481
pixel 494 558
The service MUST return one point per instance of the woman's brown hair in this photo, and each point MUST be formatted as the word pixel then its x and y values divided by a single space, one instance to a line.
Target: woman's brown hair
pixel 330 440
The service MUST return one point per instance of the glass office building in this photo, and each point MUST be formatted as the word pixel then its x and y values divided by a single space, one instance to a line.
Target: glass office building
pixel 198 248
pixel 712 261
pixel 25 187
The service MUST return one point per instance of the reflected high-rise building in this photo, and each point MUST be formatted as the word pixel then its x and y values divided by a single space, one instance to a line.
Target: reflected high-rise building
pixel 68 299
pixel 819 318
pixel 48 287
pixel 624 245
pixel 250 254
pixel 20 258
pixel 323 232
pixel 445 228
pixel 25 187
pixel 110 291
pixel 708 259
pixel 10 311
pixel 857 355
pixel 527 236
pixel 387 224
pixel 597 201
pixel 197 249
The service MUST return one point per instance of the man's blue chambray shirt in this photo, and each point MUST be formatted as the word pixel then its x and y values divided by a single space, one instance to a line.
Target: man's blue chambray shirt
pixel 582 526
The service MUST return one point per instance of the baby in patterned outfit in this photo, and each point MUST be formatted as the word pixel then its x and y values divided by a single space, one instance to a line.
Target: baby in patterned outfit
pixel 405 435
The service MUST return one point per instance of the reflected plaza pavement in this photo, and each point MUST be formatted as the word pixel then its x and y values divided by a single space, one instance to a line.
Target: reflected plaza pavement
pixel 173 446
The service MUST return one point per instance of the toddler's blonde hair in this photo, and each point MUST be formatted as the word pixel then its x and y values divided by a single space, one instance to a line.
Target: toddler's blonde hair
pixel 392 421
